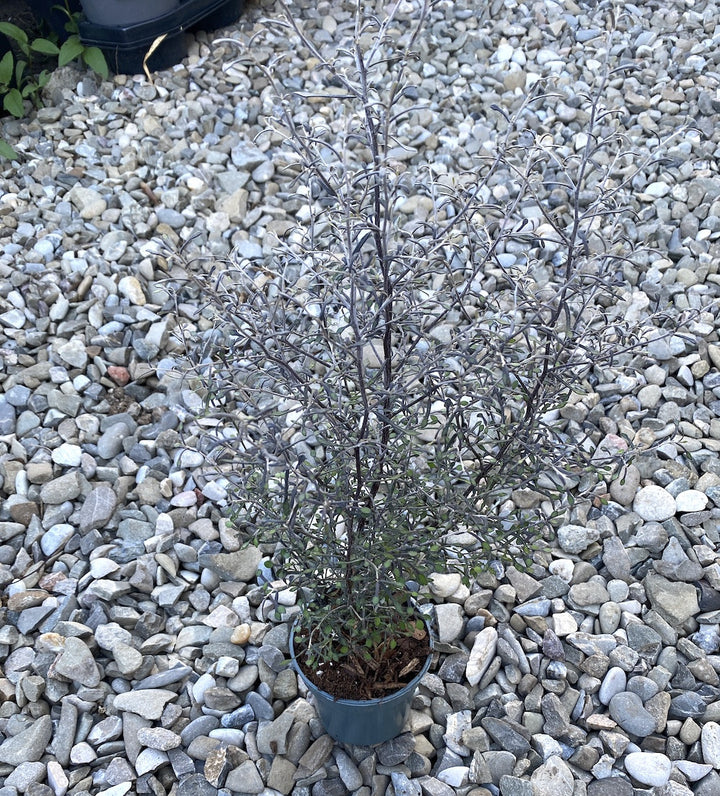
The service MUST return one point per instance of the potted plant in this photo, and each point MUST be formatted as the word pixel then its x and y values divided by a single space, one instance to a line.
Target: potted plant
pixel 385 389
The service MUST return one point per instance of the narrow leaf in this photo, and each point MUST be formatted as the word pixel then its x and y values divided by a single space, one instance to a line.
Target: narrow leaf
pixel 13 104
pixel 72 48
pixel 6 151
pixel 14 32
pixel 44 46
pixel 94 58
pixel 6 68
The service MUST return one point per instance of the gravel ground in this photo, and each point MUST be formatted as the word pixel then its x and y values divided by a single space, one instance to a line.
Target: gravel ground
pixel 136 653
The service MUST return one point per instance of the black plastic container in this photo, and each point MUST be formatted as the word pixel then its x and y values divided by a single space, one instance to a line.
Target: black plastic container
pixel 125 46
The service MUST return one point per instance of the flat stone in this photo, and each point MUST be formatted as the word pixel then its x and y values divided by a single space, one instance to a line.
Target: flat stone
pixel 506 735
pixel 687 705
pixel 195 785
pixel 77 663
pixel 450 622
pixel 29 745
pixel 130 287
pixel 315 756
pixel 282 775
pixel 159 738
pixel 628 711
pixel 691 500
pixel 575 539
pixel 65 487
pixel 349 772
pixel 67 455
pixel 710 742
pixel 481 655
pixel 56 537
pixel 613 683
pixel 97 509
pixel 403 785
pixel 245 779
pixel 610 786
pixel 653 503
pixel 73 353
pixel 241 565
pixel 648 768
pixel 396 750
pixel 150 760
pixel 272 736
pixel 147 703
pixel 110 443
pixel 553 778
pixel 675 602
pixel 25 775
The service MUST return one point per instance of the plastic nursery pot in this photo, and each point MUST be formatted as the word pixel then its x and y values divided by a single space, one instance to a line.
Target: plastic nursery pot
pixel 126 46
pixel 126 12
pixel 363 722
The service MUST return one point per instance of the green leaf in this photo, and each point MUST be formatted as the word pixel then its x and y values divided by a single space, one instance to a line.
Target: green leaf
pixel 6 68
pixel 19 72
pixel 70 50
pixel 15 33
pixel 6 151
pixel 94 58
pixel 13 103
pixel 44 46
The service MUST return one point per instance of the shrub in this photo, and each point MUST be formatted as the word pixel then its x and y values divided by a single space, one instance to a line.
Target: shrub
pixel 385 396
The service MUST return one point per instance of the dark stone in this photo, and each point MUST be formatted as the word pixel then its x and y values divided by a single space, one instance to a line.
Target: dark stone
pixel 708 785
pixel 329 787
pixel 396 750
pixel 506 736
pixel 683 679
pixel 554 586
pixel 557 720
pixel 552 647
pixel 514 786
pixel 687 705
pixel 262 709
pixel 644 640
pixel 238 718
pixel 611 786
pixel 453 668
pixel 708 598
pixel 195 785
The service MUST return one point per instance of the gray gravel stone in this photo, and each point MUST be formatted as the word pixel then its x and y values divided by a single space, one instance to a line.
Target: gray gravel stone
pixel 29 745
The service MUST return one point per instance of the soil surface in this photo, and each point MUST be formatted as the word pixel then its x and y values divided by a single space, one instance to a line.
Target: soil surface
pixel 351 678
pixel 19 13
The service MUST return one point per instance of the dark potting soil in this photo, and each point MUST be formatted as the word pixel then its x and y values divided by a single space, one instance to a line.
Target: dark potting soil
pixel 352 678
pixel 19 13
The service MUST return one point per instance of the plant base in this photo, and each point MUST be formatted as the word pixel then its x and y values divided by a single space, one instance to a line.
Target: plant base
pixel 363 722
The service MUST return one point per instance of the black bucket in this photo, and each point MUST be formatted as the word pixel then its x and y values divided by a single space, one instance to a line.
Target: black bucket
pixel 125 46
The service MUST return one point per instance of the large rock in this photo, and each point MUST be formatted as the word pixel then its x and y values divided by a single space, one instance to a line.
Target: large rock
pixel 29 745
pixel 676 602
pixel 241 565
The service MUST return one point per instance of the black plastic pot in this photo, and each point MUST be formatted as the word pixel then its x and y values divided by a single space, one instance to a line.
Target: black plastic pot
pixel 363 722
pixel 126 45
pixel 126 12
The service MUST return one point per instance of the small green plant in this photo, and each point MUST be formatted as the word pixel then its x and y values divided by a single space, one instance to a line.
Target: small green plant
pixel 18 82
pixel 73 48
pixel 19 78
